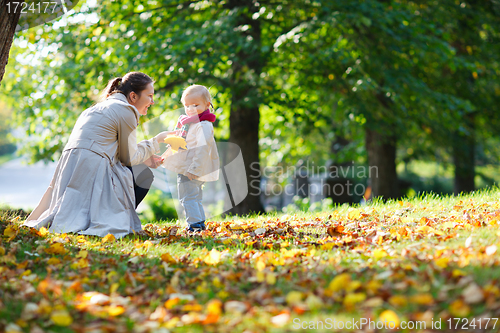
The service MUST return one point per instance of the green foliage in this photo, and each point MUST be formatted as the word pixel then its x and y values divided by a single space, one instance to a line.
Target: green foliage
pixel 6 144
pixel 318 72
pixel 160 207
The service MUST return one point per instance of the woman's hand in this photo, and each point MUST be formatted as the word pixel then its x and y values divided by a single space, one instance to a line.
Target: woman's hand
pixel 154 161
pixel 161 136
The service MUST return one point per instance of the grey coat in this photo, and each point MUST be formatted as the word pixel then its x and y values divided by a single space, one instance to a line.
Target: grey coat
pixel 92 191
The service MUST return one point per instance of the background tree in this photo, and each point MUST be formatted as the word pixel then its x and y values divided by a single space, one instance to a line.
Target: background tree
pixel 224 44
pixel 8 22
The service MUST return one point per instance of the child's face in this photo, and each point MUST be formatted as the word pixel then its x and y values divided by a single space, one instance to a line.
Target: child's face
pixel 195 104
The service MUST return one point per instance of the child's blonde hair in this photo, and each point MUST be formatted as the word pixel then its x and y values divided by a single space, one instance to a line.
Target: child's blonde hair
pixel 197 89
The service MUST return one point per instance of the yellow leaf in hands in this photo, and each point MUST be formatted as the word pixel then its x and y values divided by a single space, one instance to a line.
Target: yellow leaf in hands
pixel 175 142
pixel 109 238
pixel 213 257
pixel 61 318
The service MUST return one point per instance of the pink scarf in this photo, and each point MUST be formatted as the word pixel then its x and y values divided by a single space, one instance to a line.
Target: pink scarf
pixel 205 115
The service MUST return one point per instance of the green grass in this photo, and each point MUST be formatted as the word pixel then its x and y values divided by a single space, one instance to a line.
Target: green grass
pixel 412 260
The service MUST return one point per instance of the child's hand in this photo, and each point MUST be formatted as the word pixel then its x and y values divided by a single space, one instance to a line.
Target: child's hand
pixel 191 176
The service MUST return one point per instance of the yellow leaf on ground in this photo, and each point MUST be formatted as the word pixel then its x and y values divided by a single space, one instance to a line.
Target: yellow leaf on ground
pixel 2 251
pixel 61 318
pixel 82 254
pixel 213 257
pixel 109 238
pixel 293 297
pixel 43 231
pixel 422 299
pixel 354 298
pixel 10 231
pixel 442 262
pixel 172 302
pixel 390 316
pixel 314 302
pixel 214 306
pixel 379 254
pixel 339 282
pixel 114 310
pixel 398 301
pixel 260 265
pixel 459 309
pixel 166 257
pixel 56 248
pixel 270 278
pixel 354 214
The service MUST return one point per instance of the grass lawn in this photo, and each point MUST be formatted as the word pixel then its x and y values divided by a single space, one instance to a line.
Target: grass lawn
pixel 427 263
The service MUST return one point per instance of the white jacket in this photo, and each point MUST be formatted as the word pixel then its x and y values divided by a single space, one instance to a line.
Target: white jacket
pixel 201 158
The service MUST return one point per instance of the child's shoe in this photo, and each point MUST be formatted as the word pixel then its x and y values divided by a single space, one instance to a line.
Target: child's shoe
pixel 196 227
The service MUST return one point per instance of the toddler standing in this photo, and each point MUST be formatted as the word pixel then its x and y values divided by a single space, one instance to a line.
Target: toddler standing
pixel 200 162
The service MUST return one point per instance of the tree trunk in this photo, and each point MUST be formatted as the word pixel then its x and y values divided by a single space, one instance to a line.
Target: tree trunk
pixel 464 158
pixel 8 22
pixel 245 101
pixel 382 164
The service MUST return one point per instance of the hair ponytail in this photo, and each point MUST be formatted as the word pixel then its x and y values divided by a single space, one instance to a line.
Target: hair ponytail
pixel 133 81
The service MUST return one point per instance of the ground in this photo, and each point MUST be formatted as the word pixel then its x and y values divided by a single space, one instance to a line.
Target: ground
pixel 427 264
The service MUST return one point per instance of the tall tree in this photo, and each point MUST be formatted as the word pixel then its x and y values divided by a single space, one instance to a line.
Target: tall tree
pixel 227 45
pixel 9 16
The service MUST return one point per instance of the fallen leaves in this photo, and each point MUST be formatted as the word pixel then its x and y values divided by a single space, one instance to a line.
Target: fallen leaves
pixel 387 264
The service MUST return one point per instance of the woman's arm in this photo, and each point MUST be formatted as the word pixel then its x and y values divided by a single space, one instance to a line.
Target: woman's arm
pixel 129 151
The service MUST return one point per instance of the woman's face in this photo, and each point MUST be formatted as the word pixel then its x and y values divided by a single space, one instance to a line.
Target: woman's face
pixel 195 104
pixel 144 101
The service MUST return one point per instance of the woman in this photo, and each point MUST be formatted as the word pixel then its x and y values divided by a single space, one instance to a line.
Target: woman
pixel 93 191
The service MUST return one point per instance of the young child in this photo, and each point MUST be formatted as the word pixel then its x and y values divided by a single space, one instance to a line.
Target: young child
pixel 199 163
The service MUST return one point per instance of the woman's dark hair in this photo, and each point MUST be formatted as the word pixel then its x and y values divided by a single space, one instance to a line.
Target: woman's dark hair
pixel 133 81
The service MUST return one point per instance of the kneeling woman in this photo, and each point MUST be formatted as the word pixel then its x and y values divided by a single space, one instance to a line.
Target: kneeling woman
pixel 103 172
